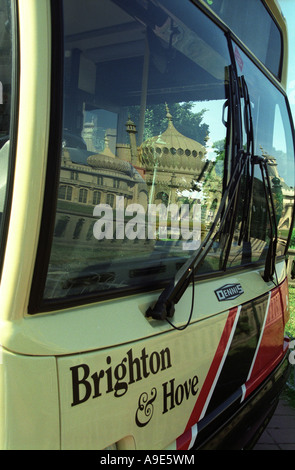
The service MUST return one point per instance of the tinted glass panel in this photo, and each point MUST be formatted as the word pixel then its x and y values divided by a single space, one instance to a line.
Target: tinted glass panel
pixel 273 141
pixel 253 24
pixel 141 177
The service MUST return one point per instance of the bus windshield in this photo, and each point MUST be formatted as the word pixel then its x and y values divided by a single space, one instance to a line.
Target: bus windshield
pixel 148 148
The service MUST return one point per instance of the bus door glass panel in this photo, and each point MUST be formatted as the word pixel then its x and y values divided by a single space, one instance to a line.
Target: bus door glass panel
pixel 273 141
pixel 5 105
pixel 141 177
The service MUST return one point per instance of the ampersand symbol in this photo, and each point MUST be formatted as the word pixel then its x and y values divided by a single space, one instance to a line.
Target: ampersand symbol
pixel 145 408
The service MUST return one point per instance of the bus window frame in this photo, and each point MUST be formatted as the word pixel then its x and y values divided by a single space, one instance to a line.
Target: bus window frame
pixel 53 160
pixel 292 125
pixel 14 105
pixel 207 10
pixel 37 304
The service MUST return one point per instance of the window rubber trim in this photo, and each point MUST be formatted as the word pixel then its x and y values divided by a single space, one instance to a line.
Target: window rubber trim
pixel 292 126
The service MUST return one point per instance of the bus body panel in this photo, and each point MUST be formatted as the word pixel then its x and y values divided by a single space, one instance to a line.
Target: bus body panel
pixel 156 388
pixel 29 410
pixel 137 383
pixel 163 382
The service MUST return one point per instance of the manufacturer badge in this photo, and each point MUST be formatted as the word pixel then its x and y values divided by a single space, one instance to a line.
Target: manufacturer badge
pixel 229 292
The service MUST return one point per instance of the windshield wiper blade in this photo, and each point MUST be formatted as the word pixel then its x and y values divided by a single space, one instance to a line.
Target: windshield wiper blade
pixel 271 252
pixel 234 104
pixel 165 305
pixel 262 162
pixel 249 183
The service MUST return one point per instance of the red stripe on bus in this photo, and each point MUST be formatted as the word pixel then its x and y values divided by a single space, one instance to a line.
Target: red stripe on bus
pixel 183 441
pixel 272 347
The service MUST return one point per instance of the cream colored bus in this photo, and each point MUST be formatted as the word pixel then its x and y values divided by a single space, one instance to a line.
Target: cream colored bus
pixel 146 199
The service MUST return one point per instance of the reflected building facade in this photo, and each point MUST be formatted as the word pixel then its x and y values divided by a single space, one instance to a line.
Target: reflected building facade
pixel 162 170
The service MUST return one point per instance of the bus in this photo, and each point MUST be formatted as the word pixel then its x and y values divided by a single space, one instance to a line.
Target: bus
pixel 147 196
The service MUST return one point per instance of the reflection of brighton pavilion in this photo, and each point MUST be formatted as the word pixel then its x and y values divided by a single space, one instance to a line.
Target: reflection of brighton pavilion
pixel 171 162
pixel 158 171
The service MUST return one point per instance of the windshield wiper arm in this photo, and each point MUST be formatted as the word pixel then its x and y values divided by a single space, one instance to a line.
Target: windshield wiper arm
pixel 235 108
pixel 247 206
pixel 262 162
pixel 165 305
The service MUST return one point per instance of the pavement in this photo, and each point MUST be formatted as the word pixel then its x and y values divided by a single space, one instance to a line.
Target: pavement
pixel 280 432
